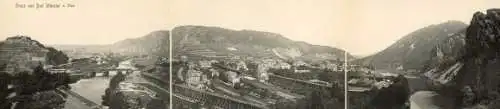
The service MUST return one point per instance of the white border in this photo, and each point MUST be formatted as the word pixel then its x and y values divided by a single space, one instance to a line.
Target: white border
pixel 171 106
pixel 346 100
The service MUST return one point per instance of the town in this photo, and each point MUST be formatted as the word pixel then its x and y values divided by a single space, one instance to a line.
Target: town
pixel 97 80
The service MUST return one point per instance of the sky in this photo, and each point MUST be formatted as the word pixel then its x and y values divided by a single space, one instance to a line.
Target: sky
pixel 375 24
pixel 317 22
pixel 362 27
pixel 89 22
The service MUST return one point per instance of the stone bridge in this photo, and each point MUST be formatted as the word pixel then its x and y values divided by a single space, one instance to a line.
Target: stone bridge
pixel 95 72
pixel 111 72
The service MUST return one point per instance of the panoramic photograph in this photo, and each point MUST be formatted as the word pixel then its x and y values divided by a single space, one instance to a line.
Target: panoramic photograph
pixel 424 55
pixel 256 54
pixel 81 54
pixel 249 54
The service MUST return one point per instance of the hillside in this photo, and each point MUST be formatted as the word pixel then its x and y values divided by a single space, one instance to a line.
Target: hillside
pixel 80 51
pixel 413 51
pixel 213 41
pixel 476 66
pixel 151 43
pixel 21 53
pixel 155 42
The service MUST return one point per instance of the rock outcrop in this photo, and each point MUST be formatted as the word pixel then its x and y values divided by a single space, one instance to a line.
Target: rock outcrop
pixel 446 51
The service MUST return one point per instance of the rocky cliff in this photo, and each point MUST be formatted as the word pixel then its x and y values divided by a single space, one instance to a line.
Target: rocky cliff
pixel 447 51
pixel 472 77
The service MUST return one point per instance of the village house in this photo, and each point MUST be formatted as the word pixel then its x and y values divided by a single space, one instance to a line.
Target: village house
pixel 262 73
pixel 301 70
pixel 354 68
pixel 98 59
pixel 333 67
pixel 241 66
pixel 194 78
pixel 284 65
pixel 205 64
pixel 299 63
pixel 328 65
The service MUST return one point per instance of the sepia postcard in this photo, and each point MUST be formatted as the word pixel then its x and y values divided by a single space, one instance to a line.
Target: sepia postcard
pixel 249 54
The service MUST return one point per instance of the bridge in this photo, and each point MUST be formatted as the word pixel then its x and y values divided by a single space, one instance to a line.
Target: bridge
pixel 90 69
pixel 94 72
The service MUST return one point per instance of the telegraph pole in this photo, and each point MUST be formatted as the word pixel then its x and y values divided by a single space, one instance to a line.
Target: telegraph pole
pixel 346 89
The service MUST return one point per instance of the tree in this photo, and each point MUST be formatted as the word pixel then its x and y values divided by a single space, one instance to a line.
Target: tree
pixel 316 100
pixel 36 90
pixel 395 95
pixel 4 81
pixel 56 57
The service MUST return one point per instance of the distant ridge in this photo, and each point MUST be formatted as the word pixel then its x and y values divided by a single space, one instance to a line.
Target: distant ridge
pixel 249 43
pixel 217 42
pixel 413 51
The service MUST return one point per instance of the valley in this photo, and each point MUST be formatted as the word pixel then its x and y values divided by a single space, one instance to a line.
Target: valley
pixel 211 67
